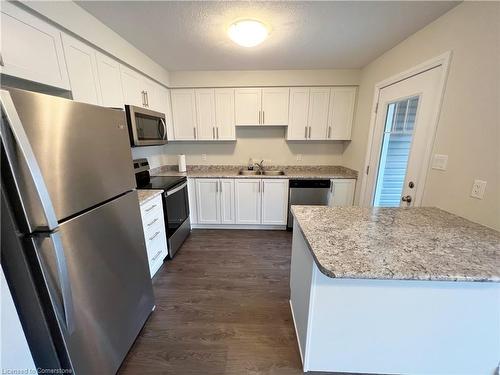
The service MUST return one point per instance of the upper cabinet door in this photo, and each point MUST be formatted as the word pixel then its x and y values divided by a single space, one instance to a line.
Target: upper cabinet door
pixel 224 114
pixel 274 201
pixel 184 114
pixel 342 100
pixel 275 106
pixel 82 70
pixel 132 87
pixel 109 81
pixel 248 110
pixel 318 113
pixel 205 113
pixel 31 49
pixel 299 113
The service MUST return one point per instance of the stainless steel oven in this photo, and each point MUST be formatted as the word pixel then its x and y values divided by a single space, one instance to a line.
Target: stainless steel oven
pixel 146 127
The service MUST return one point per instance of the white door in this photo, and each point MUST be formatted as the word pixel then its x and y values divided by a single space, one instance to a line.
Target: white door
pixel 402 140
pixel 82 70
pixel 342 100
pixel 274 201
pixel 226 189
pixel 132 87
pixel 110 82
pixel 247 104
pixel 183 114
pixel 163 97
pixel 205 113
pixel 224 114
pixel 341 192
pixel 319 99
pixel 299 113
pixel 208 200
pixel 275 105
pixel 247 200
pixel 31 48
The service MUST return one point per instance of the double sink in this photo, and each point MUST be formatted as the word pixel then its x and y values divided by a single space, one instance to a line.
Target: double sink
pixel 246 172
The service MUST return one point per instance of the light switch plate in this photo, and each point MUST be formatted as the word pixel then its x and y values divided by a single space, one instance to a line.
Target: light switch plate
pixel 440 162
pixel 478 189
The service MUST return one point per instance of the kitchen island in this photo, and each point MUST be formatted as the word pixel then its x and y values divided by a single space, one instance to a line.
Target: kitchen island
pixel 395 290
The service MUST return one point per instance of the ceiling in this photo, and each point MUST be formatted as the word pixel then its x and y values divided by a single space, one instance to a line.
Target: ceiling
pixel 191 35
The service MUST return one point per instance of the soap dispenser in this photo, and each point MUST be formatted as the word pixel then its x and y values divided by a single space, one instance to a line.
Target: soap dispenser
pixel 250 164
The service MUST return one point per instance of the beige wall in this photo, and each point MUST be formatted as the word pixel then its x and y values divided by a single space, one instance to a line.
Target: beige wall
pixel 258 143
pixel 468 129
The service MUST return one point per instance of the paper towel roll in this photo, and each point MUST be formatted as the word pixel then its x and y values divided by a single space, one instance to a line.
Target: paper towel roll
pixel 182 163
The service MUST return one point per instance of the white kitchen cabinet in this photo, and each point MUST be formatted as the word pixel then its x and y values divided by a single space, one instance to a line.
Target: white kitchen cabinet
pixel 226 191
pixel 247 201
pixel 184 114
pixel 342 101
pixel 155 234
pixel 342 192
pixel 261 106
pixel 82 70
pixel 31 49
pixel 319 98
pixel 208 200
pixel 275 102
pixel 299 114
pixel 205 114
pixel 247 104
pixel 110 83
pixel 274 201
pixel 132 86
pixel 224 114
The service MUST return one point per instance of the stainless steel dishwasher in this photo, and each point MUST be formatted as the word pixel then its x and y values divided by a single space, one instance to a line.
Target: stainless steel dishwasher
pixel 307 192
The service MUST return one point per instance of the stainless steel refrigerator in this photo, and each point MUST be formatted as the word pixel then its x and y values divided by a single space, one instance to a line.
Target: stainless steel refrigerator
pixel 73 250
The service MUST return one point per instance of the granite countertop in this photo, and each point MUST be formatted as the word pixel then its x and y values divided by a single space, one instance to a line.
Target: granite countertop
pixel 145 195
pixel 231 171
pixel 420 243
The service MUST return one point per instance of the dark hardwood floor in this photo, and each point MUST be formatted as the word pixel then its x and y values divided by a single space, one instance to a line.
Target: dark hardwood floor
pixel 221 308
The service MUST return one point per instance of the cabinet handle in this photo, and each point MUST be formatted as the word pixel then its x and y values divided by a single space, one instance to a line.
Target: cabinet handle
pixel 194 132
pixel 217 187
pixel 1 60
pixel 220 189
pixel 259 117
pixel 150 208
pixel 262 187
pixel 143 93
pixel 154 221
pixel 259 187
pixel 147 99
pixel 263 117
pixel 305 133
pixel 309 132
pixel 156 256
pixel 217 130
pixel 154 236
pixel 213 132
pixel 329 131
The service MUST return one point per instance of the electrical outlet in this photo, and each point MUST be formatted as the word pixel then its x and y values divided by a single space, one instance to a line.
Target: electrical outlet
pixel 299 157
pixel 203 156
pixel 440 162
pixel 478 188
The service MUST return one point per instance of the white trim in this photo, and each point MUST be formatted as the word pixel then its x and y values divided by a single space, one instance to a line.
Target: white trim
pixel 442 60
pixel 239 226
pixel 296 332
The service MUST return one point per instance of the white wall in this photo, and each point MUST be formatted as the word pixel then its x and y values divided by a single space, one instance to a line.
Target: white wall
pixel 263 143
pixel 469 126
pixel 75 19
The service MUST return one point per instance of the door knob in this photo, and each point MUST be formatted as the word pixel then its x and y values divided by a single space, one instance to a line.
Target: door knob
pixel 406 198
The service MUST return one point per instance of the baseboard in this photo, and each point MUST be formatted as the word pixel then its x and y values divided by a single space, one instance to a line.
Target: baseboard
pixel 238 226
pixel 296 333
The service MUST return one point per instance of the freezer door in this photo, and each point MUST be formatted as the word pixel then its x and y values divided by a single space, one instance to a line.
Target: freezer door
pixel 82 150
pixel 104 295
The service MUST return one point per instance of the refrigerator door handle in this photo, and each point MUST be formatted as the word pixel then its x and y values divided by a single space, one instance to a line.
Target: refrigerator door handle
pixel 65 285
pixel 16 127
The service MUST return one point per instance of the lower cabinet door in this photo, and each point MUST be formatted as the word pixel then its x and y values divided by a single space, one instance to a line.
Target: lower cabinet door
pixel 342 192
pixel 247 201
pixel 227 201
pixel 208 200
pixel 274 201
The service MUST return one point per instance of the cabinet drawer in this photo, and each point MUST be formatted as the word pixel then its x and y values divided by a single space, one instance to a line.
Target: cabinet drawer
pixel 151 209
pixel 156 245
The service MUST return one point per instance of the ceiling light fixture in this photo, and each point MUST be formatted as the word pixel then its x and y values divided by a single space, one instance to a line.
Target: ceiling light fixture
pixel 248 33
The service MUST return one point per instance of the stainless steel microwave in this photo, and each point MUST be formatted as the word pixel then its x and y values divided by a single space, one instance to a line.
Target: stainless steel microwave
pixel 146 127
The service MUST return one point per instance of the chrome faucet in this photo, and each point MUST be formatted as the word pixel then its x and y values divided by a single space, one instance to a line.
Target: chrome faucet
pixel 260 166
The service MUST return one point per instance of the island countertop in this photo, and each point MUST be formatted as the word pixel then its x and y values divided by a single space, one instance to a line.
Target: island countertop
pixel 421 243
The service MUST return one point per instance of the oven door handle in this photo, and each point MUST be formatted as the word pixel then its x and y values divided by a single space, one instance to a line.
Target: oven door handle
pixel 173 191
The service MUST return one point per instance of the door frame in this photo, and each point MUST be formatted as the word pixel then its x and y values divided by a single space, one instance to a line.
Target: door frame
pixel 442 60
